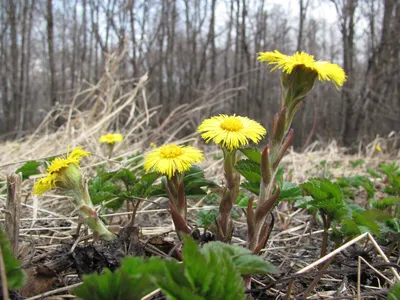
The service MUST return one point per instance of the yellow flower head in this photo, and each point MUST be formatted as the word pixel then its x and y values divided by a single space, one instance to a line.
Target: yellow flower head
pixel 326 71
pixel 231 132
pixel 378 148
pixel 77 154
pixel 111 138
pixel 44 184
pixel 62 172
pixel 170 159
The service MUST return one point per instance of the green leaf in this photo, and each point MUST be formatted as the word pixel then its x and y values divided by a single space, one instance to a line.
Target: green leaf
pixel 249 170
pixel 357 163
pixel 304 202
pixel 289 191
pixel 252 153
pixel 243 201
pixel 243 258
pixel 394 293
pixel 373 173
pixel 148 179
pixel 279 175
pixel 253 187
pixel 134 280
pixel 206 217
pixel 322 189
pixel 371 219
pixel 174 284
pixel 350 228
pixel 359 181
pixel 28 169
pixel 327 198
pixel 386 202
pixel 15 275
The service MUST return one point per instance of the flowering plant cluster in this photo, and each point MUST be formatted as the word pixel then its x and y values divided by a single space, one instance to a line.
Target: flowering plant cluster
pixel 244 168
pixel 232 134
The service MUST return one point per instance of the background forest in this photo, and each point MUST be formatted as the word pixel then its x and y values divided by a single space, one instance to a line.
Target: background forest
pixel 203 49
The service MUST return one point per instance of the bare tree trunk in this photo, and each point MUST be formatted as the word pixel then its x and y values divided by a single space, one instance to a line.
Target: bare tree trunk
pixel 13 112
pixel 22 70
pixel 27 97
pixel 131 8
pixel 347 15
pixel 213 48
pixel 228 43
pixel 4 59
pixel 50 44
pixel 170 52
pixel 84 42
pixel 75 48
pixel 302 17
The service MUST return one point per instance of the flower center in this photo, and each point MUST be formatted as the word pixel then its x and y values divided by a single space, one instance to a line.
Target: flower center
pixel 171 151
pixel 232 124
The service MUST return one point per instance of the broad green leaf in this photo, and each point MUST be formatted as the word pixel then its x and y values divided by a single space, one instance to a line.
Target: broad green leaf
pixel 249 170
pixel 15 275
pixel 304 202
pixel 28 169
pixel 195 192
pixel 148 179
pixel 243 258
pixel 322 189
pixel 289 191
pixel 134 280
pixel 350 228
pixel 386 202
pixel 252 153
pixel 195 263
pixel 253 187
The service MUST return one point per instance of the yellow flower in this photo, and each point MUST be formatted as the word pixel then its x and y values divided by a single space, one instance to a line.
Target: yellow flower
pixel 62 172
pixel 73 158
pixel 378 148
pixel 170 159
pixel 326 71
pixel 111 138
pixel 44 184
pixel 77 154
pixel 231 131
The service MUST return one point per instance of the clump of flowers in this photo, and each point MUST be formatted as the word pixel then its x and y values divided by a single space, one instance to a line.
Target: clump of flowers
pixel 172 161
pixel 231 133
pixel 110 139
pixel 65 174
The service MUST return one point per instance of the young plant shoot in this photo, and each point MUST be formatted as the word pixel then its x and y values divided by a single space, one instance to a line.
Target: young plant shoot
pixel 66 175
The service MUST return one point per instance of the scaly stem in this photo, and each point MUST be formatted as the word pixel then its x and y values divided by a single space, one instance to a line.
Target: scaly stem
pixel 232 178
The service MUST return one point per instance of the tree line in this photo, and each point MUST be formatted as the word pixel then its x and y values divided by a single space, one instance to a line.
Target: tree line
pixel 196 48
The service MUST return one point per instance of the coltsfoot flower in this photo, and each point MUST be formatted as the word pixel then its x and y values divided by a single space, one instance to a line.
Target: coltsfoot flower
pixel 111 138
pixel 171 159
pixel 231 132
pixel 325 70
pixel 62 172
